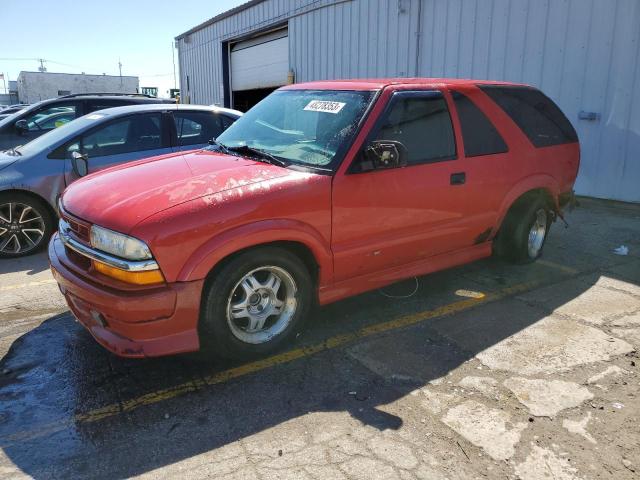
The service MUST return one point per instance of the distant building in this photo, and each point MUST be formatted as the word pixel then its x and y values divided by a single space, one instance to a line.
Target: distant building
pixel 11 95
pixel 36 86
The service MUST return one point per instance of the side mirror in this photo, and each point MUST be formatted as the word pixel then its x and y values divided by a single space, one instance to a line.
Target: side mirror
pixel 79 163
pixel 21 126
pixel 384 154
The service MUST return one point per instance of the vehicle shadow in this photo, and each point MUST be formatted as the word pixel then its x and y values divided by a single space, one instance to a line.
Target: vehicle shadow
pixel 57 372
pixel 31 264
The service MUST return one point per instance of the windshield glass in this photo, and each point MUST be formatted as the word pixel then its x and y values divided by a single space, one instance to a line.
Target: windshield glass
pixel 65 132
pixel 307 127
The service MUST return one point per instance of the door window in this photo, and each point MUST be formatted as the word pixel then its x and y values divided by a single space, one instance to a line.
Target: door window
pixel 479 134
pixel 130 134
pixel 50 117
pixel 196 128
pixel 421 122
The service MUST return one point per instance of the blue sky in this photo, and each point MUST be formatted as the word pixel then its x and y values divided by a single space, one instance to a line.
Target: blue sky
pixel 89 36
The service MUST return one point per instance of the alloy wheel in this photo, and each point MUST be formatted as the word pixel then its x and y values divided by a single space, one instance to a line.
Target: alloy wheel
pixel 537 233
pixel 21 228
pixel 262 304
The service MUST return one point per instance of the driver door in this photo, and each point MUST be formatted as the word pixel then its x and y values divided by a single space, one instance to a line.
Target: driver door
pixel 385 218
pixel 125 139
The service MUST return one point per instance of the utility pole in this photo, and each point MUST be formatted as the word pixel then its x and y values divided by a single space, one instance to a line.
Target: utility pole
pixel 120 68
pixel 173 56
pixel 42 67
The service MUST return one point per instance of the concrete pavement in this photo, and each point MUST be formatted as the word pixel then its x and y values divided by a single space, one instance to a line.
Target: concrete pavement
pixel 487 371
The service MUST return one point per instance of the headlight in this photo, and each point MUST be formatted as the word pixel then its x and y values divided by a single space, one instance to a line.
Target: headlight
pixel 119 244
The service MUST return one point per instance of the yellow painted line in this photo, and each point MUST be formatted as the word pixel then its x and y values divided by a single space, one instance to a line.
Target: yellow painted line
pixel 259 365
pixel 557 266
pixel 24 285
pixel 295 354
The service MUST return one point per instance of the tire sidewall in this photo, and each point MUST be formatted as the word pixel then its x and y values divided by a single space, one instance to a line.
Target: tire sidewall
pixel 42 208
pixel 215 334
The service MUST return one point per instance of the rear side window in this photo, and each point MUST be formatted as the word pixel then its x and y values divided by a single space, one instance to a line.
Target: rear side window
pixel 194 128
pixel 479 134
pixel 537 116
pixel 421 122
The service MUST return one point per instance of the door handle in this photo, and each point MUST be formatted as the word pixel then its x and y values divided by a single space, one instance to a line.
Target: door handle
pixel 458 178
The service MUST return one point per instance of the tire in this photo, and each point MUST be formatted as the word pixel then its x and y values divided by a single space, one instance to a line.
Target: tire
pixel 230 292
pixel 26 224
pixel 524 231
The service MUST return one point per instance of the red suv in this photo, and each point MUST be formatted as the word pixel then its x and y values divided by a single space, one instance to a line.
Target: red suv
pixel 322 191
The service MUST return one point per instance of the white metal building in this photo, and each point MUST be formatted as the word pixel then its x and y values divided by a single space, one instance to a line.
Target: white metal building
pixel 36 86
pixel 585 54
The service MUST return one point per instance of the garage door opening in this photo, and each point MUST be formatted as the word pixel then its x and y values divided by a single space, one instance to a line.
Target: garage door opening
pixel 243 100
pixel 259 65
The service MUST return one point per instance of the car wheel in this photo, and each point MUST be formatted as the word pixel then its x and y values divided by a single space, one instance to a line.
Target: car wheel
pixel 524 231
pixel 255 304
pixel 26 223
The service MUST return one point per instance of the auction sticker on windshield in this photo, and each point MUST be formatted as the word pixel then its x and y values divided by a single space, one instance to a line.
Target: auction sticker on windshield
pixel 324 106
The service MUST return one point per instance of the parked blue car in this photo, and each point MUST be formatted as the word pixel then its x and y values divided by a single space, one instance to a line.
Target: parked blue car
pixel 33 176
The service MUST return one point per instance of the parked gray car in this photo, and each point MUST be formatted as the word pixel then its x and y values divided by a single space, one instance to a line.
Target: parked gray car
pixel 33 176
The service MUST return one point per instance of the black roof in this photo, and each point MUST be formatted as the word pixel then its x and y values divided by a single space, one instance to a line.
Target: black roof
pixel 131 98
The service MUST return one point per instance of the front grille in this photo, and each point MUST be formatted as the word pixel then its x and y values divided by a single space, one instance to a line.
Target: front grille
pixel 79 228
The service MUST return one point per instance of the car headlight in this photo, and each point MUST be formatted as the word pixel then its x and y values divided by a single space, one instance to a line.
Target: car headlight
pixel 119 244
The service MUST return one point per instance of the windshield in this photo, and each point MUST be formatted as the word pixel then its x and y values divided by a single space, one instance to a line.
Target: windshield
pixel 53 138
pixel 307 127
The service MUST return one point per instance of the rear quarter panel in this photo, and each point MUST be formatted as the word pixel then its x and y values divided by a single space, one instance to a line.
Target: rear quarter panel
pixel 553 168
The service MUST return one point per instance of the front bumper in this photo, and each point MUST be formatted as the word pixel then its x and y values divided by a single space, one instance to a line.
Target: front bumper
pixel 142 323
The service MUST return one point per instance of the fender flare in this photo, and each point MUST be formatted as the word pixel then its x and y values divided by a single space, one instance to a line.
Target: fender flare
pixel 533 182
pixel 205 258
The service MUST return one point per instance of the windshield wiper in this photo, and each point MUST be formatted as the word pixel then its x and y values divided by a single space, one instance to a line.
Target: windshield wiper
pixel 256 152
pixel 213 142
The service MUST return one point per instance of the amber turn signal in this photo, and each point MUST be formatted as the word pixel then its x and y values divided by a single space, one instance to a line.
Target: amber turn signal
pixel 148 277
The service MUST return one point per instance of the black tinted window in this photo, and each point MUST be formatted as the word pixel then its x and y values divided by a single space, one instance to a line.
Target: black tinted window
pixel 479 134
pixel 193 128
pixel 130 134
pixel 421 122
pixel 94 105
pixel 536 115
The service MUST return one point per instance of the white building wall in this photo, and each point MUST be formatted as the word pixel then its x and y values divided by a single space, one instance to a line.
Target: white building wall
pixel 36 86
pixel 585 54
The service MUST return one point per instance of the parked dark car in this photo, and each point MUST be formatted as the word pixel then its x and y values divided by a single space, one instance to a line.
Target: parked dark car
pixel 29 123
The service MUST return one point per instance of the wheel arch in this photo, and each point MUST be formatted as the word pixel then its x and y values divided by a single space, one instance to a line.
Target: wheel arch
pixel 532 187
pixel 31 193
pixel 296 237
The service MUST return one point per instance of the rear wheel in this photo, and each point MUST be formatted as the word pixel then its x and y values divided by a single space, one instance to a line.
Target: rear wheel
pixel 255 304
pixel 26 224
pixel 524 231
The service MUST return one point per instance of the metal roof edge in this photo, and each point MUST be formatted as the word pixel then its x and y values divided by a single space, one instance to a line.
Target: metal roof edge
pixel 219 17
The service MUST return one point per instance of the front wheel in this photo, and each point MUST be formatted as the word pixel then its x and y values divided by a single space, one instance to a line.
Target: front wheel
pixel 255 304
pixel 26 224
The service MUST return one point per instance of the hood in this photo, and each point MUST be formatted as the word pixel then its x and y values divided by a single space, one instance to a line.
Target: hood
pixel 119 198
pixel 7 159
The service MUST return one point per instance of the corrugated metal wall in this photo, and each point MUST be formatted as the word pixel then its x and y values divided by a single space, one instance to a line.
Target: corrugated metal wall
pixel 585 54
